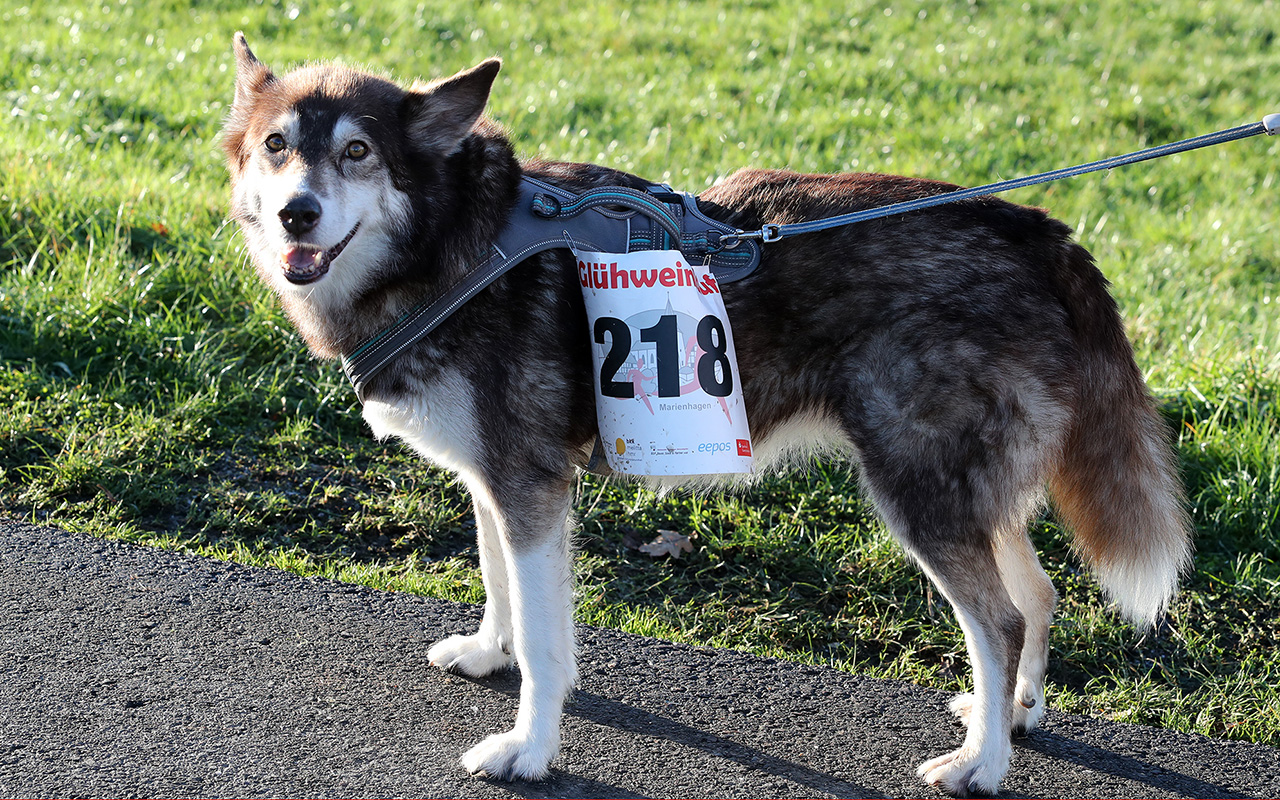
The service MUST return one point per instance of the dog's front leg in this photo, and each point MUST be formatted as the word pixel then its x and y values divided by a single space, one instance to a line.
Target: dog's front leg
pixel 534 535
pixel 490 649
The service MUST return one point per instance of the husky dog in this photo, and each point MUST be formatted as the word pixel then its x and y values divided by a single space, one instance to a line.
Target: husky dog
pixel 966 358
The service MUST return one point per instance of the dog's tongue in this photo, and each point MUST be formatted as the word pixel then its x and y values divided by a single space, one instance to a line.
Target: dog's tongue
pixel 302 263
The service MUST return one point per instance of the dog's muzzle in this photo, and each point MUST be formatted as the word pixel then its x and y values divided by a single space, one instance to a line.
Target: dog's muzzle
pixel 305 263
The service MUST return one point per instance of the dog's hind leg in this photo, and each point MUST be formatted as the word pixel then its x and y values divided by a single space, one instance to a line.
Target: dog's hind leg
pixel 489 649
pixel 967 575
pixel 944 509
pixel 534 525
pixel 1033 594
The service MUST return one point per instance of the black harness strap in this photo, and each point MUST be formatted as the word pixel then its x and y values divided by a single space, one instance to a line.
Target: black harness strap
pixel 547 217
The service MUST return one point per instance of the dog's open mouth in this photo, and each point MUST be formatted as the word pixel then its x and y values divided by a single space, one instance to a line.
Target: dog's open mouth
pixel 305 264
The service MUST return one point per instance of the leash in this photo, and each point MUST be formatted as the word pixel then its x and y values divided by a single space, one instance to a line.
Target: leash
pixel 774 232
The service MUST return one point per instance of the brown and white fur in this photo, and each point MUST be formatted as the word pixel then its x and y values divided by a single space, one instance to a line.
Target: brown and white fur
pixel 965 358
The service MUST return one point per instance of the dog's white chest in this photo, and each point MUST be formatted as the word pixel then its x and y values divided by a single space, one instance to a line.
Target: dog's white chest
pixel 437 420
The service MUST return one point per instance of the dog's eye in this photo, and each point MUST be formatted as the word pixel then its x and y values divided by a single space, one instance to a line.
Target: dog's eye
pixel 274 143
pixel 357 150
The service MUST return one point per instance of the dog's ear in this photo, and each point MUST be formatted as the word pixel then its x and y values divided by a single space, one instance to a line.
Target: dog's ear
pixel 439 115
pixel 251 77
pixel 251 74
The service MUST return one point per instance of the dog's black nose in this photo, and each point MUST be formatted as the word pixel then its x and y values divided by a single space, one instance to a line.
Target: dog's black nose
pixel 300 214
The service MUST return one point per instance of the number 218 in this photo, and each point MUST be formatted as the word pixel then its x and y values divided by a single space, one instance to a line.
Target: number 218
pixel 665 338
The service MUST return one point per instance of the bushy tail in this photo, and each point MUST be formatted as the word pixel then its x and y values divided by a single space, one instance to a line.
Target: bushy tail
pixel 1117 484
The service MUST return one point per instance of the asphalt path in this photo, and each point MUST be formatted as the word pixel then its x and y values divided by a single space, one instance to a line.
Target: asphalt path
pixel 133 672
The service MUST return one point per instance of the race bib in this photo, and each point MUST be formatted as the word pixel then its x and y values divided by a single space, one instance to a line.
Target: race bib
pixel 668 398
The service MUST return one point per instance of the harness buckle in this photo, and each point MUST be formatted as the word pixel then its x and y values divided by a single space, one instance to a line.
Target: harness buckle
pixel 545 205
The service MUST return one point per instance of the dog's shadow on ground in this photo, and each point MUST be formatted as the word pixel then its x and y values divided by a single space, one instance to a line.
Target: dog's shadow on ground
pixel 1108 762
pixel 626 718
pixel 629 719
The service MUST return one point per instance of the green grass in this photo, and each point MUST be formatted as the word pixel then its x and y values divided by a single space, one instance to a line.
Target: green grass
pixel 151 392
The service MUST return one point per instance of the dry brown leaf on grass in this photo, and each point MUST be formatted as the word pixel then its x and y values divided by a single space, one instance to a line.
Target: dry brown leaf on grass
pixel 668 543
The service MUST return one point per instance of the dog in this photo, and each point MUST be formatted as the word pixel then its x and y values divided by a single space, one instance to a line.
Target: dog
pixel 968 359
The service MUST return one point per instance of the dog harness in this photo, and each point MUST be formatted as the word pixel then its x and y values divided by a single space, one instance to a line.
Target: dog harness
pixel 615 219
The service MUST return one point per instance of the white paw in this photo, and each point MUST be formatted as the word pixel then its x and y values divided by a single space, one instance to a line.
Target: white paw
pixel 511 755
pixel 1021 718
pixel 469 655
pixel 962 706
pixel 1028 706
pixel 963 772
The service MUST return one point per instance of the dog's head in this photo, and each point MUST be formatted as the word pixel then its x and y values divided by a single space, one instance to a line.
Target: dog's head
pixel 326 164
